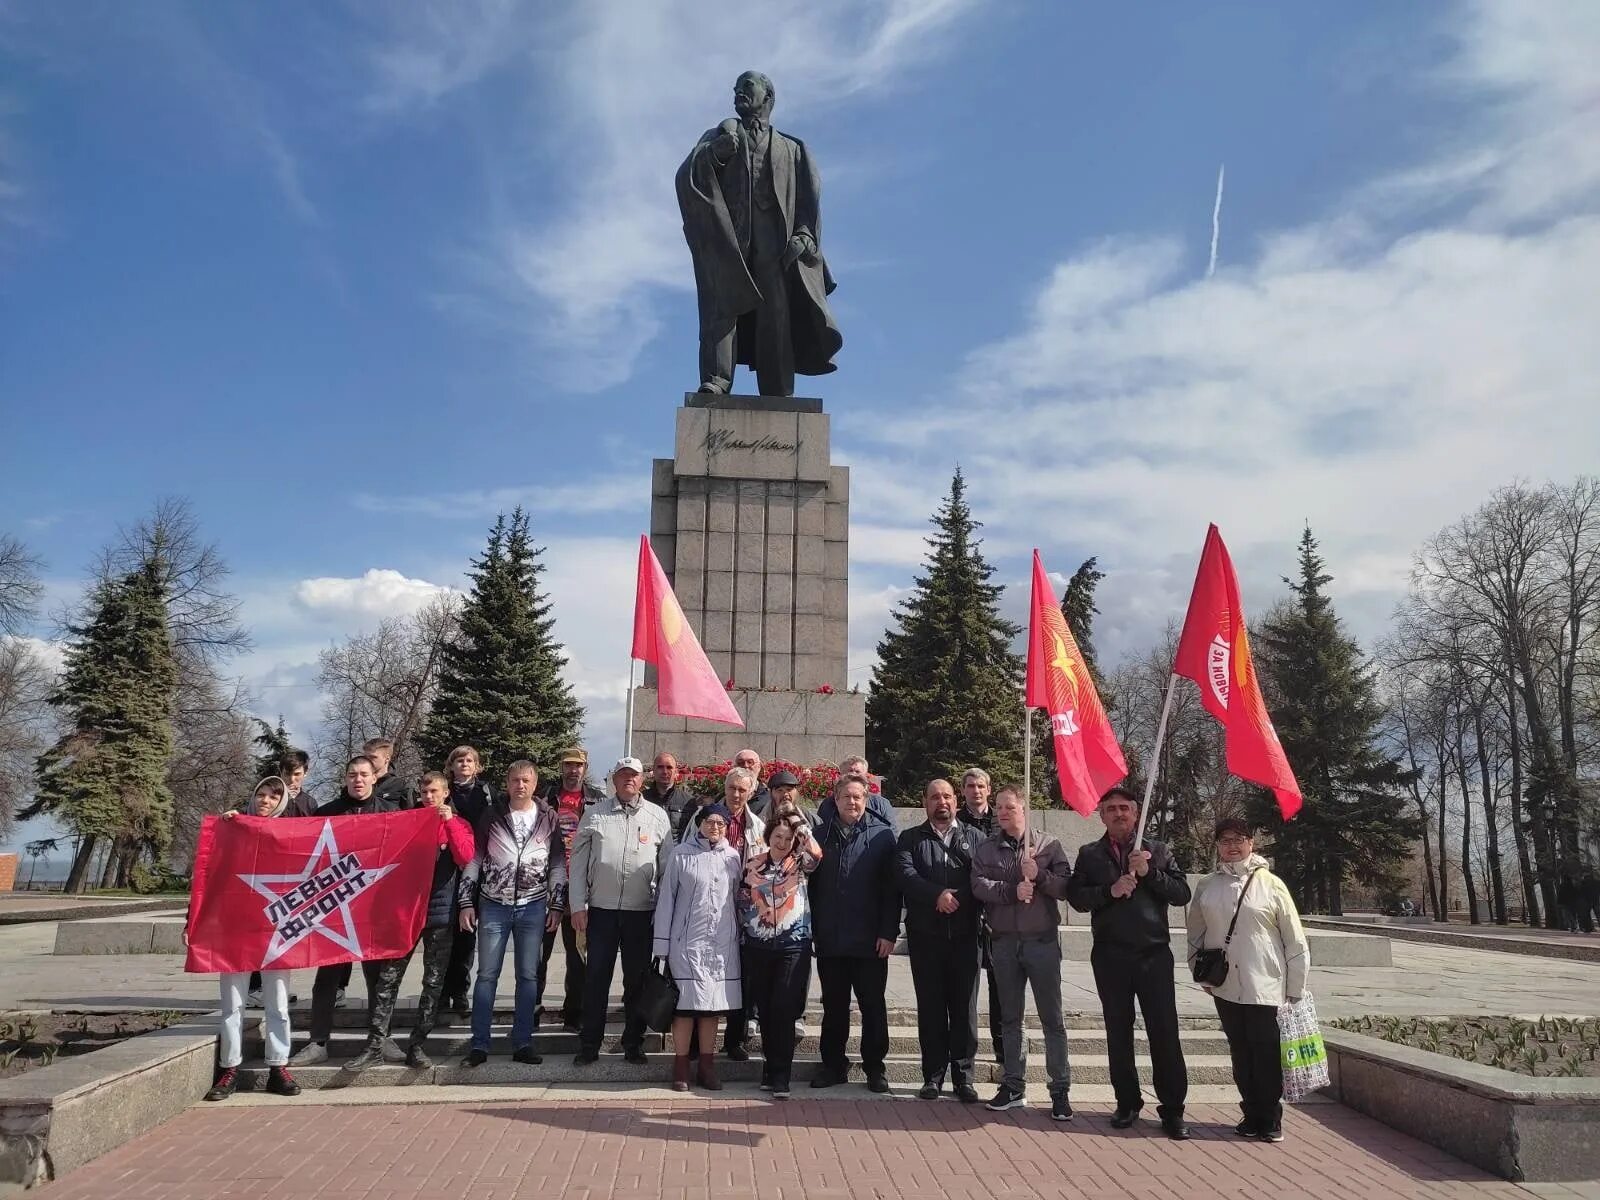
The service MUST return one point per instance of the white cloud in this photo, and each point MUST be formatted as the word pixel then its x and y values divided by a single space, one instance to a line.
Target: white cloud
pixel 379 592
pixel 1372 377
pixel 621 98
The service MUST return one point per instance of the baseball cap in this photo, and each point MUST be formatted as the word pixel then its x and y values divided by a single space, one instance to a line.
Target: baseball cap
pixel 575 754
pixel 783 779
pixel 628 764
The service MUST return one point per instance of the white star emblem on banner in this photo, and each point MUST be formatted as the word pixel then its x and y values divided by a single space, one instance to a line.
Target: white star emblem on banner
pixel 275 887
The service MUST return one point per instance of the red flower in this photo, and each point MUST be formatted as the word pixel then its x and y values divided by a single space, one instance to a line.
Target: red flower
pixel 728 684
pixel 825 690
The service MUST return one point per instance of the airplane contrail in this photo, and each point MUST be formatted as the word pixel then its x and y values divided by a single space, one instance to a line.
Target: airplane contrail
pixel 1216 224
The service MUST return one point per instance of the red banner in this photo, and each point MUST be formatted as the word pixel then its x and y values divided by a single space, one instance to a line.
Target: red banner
pixel 290 892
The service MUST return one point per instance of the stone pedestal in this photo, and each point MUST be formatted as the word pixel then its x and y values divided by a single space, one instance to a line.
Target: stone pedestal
pixel 750 519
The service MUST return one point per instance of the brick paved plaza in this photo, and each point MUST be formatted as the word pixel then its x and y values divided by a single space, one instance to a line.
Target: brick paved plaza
pixel 633 1149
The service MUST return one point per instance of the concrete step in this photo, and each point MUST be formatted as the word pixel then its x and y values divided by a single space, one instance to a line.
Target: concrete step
pixel 353 1016
pixel 903 1042
pixel 560 1069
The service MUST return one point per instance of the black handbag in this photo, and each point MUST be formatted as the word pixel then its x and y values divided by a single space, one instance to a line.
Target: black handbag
pixel 658 998
pixel 1211 966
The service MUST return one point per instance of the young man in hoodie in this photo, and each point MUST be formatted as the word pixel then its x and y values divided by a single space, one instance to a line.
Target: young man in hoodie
pixel 1128 893
pixel 934 864
pixel 569 797
pixel 388 786
pixel 270 799
pixel 357 799
pixel 470 795
pixel 855 907
pixel 1019 875
pixel 439 929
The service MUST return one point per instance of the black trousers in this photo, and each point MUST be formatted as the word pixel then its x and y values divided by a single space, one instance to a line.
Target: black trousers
pixel 1121 978
pixel 383 985
pixel 438 946
pixel 1252 1031
pixel 572 986
pixel 613 932
pixel 458 974
pixel 868 979
pixel 944 972
pixel 776 983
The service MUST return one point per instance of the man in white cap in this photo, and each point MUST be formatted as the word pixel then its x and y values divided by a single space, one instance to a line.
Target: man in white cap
pixel 618 856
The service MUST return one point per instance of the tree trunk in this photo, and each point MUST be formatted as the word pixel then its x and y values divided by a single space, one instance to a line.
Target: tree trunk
pixel 1491 824
pixel 1427 865
pixel 1467 882
pixel 80 865
pixel 108 871
pixel 1335 877
pixel 1519 827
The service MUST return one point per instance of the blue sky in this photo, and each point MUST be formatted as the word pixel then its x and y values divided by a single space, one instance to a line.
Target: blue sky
pixel 353 278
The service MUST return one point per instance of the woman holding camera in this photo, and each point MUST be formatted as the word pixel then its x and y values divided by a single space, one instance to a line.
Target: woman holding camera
pixel 775 929
pixel 1247 949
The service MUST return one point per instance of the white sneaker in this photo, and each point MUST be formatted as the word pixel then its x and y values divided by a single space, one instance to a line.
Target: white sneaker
pixel 391 1052
pixel 338 1001
pixel 253 999
pixel 310 1055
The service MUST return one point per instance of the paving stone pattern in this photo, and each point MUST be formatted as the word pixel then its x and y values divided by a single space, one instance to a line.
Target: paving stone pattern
pixel 684 1149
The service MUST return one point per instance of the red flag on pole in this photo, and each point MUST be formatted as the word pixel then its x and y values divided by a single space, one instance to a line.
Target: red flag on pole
pixel 1088 759
pixel 1214 651
pixel 278 893
pixel 686 686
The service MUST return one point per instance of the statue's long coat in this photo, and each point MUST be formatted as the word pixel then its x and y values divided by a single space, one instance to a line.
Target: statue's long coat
pixel 716 223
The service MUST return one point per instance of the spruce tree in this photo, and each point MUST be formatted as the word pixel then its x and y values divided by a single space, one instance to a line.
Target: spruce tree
pixel 947 690
pixel 106 779
pixel 1078 607
pixel 275 748
pixel 1322 696
pixel 500 683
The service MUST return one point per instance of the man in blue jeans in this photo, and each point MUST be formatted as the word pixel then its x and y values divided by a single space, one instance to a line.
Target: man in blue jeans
pixel 618 857
pixel 512 891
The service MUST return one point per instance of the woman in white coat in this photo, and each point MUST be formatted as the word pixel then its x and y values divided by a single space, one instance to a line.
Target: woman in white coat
pixel 1268 961
pixel 697 932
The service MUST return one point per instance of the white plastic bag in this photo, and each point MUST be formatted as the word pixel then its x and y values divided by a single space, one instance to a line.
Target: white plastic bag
pixel 1304 1057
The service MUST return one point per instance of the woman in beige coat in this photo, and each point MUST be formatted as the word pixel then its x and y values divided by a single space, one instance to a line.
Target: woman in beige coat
pixel 1267 965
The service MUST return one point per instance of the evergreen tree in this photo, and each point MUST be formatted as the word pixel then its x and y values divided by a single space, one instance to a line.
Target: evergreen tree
pixel 107 778
pixel 1077 605
pixel 947 691
pixel 500 683
pixel 275 748
pixel 1321 693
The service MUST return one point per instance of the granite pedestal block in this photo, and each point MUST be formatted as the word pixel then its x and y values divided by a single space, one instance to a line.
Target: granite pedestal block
pixel 751 521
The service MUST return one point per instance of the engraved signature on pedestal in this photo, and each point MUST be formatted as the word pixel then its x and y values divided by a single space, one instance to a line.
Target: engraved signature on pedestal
pixel 718 440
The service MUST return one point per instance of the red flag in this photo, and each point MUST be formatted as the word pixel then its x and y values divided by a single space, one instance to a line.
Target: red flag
pixel 1088 759
pixel 273 893
pixel 686 686
pixel 1214 651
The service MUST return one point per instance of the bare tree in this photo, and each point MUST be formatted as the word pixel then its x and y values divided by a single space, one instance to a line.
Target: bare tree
pixel 20 588
pixel 25 722
pixel 381 684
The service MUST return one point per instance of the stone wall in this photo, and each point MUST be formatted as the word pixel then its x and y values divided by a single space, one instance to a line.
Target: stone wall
pixel 8 872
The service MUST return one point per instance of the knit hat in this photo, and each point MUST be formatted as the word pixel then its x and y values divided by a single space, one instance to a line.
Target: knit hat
pixel 713 810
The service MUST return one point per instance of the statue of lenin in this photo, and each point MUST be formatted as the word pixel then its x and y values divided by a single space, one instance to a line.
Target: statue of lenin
pixel 751 215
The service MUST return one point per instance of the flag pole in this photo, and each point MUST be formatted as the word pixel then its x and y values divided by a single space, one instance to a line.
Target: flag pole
pixel 628 745
pixel 1027 753
pixel 1155 759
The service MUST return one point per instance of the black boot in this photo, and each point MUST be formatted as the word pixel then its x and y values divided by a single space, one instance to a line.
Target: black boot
pixel 371 1055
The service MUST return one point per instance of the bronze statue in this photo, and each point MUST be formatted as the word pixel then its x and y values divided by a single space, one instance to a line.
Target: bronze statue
pixel 751 215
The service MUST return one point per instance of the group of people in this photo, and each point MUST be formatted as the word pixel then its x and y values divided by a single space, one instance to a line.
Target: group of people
pixel 1578 898
pixel 736 898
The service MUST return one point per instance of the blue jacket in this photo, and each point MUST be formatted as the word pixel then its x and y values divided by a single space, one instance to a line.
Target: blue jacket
pixel 855 898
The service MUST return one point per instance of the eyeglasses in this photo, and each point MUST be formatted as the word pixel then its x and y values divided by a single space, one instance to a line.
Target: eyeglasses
pixel 1232 839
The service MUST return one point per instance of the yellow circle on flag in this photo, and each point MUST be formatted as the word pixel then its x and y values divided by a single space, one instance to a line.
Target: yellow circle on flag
pixel 671 620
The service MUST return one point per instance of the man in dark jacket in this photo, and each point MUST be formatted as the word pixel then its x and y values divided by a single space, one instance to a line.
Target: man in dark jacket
pixel 1018 876
pixel 456 849
pixel 978 813
pixel 470 797
pixel 358 798
pixel 665 790
pixel 855 918
pixel 934 866
pixel 570 795
pixel 388 786
pixel 1128 892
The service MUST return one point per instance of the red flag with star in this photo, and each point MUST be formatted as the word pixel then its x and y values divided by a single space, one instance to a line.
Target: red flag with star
pixel 1088 759
pixel 275 893
pixel 1214 651
pixel 686 685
